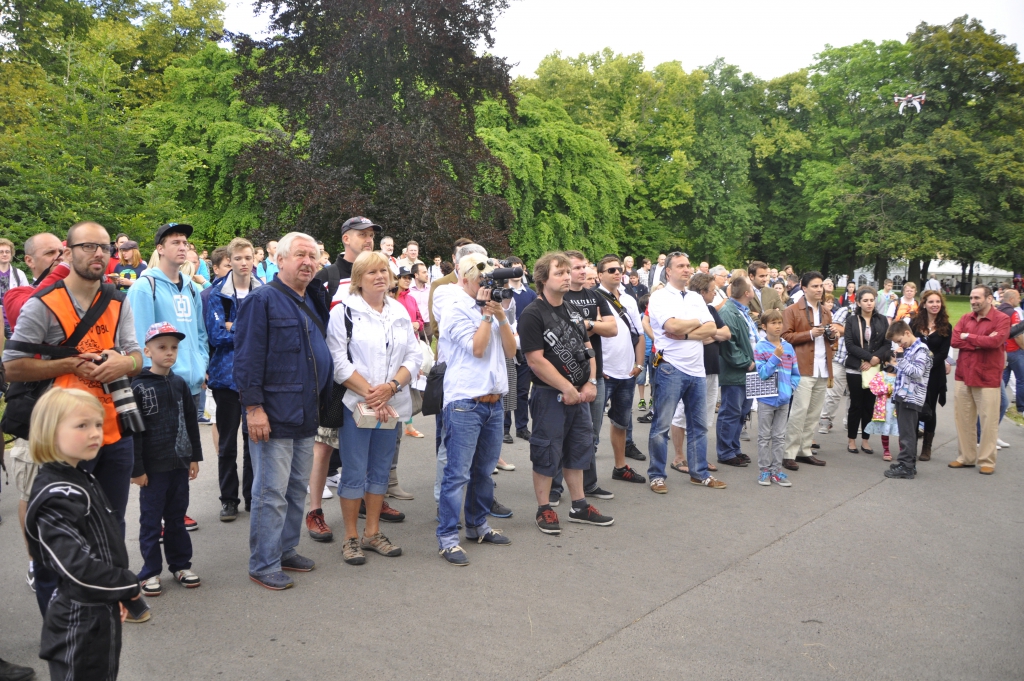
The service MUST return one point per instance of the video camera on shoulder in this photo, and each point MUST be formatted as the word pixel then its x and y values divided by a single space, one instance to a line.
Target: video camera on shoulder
pixel 495 281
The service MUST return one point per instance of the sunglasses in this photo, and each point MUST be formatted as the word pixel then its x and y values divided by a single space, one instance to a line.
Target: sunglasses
pixel 612 270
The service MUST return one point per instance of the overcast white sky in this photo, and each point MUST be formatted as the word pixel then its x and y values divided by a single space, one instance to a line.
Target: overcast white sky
pixel 768 38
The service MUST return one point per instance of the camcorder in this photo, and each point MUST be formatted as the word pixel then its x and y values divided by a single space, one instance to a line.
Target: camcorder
pixel 129 418
pixel 495 280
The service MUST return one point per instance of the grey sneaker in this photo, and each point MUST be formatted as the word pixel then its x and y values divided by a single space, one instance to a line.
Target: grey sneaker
pixel 351 552
pixel 378 543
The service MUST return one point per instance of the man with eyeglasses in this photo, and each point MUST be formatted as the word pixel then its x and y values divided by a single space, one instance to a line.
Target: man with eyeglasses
pixel 680 321
pixel 50 317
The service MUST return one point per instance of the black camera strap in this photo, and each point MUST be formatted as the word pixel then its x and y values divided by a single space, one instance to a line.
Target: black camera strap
pixel 69 347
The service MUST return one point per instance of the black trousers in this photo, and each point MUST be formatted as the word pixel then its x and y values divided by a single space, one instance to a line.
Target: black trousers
pixel 931 401
pixel 862 404
pixel 81 641
pixel 229 418
pixel 522 411
pixel 906 421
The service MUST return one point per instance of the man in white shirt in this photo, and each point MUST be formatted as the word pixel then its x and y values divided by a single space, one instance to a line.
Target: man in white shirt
pixel 477 338
pixel 420 288
pixel 932 284
pixel 623 356
pixel 680 321
pixel 656 272
pixel 387 247
pixel 435 270
pixel 805 324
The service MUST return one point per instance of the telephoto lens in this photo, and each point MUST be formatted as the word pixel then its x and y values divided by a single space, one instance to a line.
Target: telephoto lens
pixel 120 390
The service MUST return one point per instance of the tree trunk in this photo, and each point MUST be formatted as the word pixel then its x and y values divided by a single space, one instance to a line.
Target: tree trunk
pixel 924 271
pixel 826 264
pixel 914 273
pixel 881 269
pixel 970 280
pixel 963 277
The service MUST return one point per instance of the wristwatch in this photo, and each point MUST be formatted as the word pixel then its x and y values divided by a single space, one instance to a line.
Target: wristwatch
pixel 398 386
pixel 639 366
pixel 592 381
pixel 486 318
pixel 590 325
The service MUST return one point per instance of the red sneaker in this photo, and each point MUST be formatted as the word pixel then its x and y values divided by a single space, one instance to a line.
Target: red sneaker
pixel 387 514
pixel 191 525
pixel 317 526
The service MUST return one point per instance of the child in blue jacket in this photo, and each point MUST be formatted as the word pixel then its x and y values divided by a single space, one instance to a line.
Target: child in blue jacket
pixel 773 355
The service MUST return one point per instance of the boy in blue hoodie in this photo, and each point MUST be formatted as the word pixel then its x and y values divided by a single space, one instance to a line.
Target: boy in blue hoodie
pixel 162 294
pixel 773 355
pixel 167 456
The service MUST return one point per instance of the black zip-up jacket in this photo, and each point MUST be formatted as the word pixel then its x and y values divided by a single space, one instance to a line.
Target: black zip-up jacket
pixel 72 530
pixel 171 439
pixel 876 347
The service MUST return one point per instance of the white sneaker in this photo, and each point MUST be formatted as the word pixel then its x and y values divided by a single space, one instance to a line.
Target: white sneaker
pixel 328 494
pixel 334 480
pixel 1002 445
pixel 187 578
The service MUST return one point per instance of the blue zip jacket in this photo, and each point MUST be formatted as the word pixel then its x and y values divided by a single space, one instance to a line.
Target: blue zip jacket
pixel 154 298
pixel 786 366
pixel 219 306
pixel 281 359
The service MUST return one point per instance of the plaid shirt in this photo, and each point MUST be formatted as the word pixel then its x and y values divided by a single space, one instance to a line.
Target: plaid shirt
pixel 839 317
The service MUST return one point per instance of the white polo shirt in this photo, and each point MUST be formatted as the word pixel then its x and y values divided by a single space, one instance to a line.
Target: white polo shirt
pixel 617 352
pixel 671 303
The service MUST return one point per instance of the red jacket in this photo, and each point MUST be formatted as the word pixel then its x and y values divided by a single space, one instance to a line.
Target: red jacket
pixel 17 297
pixel 982 354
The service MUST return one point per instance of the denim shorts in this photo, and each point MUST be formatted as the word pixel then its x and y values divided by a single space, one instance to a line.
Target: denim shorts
pixel 366 456
pixel 563 435
pixel 619 392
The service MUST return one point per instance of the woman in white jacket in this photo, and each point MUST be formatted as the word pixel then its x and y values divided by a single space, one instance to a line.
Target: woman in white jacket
pixel 376 366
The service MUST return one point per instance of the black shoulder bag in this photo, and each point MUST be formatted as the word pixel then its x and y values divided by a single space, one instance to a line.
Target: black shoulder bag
pixel 23 395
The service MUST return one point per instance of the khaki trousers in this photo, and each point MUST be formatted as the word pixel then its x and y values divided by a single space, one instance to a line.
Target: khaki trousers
pixel 803 417
pixel 970 405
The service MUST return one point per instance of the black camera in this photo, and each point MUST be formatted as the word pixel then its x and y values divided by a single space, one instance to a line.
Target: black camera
pixel 129 418
pixel 829 334
pixel 494 281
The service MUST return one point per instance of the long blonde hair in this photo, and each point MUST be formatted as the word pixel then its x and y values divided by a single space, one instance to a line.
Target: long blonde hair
pixel 134 257
pixel 53 407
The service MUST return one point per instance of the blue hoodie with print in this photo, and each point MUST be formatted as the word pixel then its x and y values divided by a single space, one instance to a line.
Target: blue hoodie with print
pixel 155 298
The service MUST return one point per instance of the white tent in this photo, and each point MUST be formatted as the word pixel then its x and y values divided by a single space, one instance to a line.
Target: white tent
pixel 942 269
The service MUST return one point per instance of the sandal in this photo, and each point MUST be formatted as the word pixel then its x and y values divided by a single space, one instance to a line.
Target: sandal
pixel 681 467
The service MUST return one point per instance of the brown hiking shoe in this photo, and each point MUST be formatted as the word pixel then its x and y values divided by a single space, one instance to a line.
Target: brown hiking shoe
pixel 352 553
pixel 317 526
pixel 381 544
pixel 708 482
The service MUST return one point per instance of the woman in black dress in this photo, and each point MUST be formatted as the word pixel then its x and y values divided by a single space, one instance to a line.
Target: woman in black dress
pixel 932 326
pixel 866 347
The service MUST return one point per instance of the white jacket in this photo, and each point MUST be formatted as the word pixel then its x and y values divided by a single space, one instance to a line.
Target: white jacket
pixel 381 344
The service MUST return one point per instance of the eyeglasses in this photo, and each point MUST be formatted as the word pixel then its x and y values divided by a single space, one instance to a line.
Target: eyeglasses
pixel 612 270
pixel 88 247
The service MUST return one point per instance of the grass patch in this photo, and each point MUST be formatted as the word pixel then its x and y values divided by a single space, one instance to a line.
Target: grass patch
pixel 957 306
pixel 1014 416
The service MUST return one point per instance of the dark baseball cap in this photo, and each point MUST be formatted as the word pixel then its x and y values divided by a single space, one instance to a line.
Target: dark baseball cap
pixel 404 272
pixel 172 228
pixel 360 222
pixel 128 246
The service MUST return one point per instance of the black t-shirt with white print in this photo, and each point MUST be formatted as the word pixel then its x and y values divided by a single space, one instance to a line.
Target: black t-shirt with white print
pixel 562 337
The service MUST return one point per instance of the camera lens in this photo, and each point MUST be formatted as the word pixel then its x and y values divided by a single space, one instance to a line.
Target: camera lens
pixel 128 416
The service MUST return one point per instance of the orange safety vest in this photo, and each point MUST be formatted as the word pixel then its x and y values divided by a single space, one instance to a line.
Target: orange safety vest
pixel 904 310
pixel 99 338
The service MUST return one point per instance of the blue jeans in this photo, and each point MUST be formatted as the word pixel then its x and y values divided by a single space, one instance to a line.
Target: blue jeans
pixel 472 438
pixel 735 406
pixel 113 470
pixel 442 454
pixel 165 497
pixel 674 385
pixel 1015 364
pixel 280 471
pixel 366 456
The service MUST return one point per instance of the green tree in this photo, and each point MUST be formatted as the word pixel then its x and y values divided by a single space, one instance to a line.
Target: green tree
pixel 198 129
pixel 567 187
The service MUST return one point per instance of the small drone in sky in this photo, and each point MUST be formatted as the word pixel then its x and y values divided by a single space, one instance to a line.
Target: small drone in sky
pixel 916 100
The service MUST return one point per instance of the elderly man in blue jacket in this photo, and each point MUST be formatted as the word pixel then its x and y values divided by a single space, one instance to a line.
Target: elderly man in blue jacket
pixel 283 372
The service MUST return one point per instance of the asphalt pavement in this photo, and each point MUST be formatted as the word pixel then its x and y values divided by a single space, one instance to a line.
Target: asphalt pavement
pixel 846 575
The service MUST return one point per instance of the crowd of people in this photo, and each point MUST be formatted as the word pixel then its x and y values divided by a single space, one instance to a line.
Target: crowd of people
pixel 114 364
